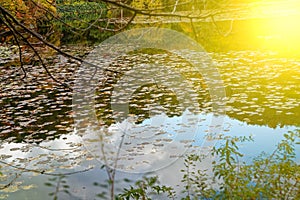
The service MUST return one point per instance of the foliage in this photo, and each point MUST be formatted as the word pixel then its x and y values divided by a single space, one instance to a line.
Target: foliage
pixel 29 12
pixel 35 15
pixel 196 185
pixel 80 20
pixel 74 20
pixel 266 177
pixel 20 10
pixel 59 184
pixel 144 188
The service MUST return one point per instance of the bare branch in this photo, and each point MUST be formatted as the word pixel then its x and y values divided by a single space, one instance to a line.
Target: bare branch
pixel 163 14
pixel 34 50
pixel 6 14
pixel 19 47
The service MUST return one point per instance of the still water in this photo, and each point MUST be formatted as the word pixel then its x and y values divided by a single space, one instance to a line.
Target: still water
pixel 39 140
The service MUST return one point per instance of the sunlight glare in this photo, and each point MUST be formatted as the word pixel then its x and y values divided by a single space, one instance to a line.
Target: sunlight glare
pixel 281 28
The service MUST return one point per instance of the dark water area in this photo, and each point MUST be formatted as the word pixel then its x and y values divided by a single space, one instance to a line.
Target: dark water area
pixel 260 90
pixel 34 109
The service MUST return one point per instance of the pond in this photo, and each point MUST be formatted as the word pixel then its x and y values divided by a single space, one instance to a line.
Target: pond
pixel 43 155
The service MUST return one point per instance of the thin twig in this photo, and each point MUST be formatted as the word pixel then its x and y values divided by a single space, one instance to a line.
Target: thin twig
pixel 194 30
pixel 36 35
pixel 162 14
pixel 35 52
pixel 218 29
pixel 43 171
pixel 12 30
pixel 10 183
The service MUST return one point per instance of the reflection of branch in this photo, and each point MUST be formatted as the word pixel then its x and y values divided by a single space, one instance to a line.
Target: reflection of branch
pixel 113 175
pixel 218 29
pixel 105 159
pixel 175 6
pixel 111 170
pixel 194 30
pixel 43 171
pixel 51 149
pixel 10 183
pixel 57 187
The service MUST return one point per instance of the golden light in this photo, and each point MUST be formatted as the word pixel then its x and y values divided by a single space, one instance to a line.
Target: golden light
pixel 280 28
